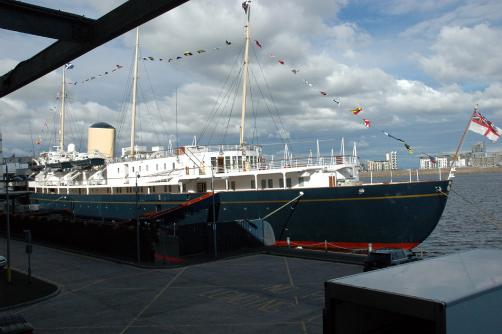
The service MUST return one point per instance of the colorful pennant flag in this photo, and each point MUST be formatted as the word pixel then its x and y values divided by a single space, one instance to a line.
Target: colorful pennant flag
pixel 391 136
pixel 281 61
pixel 245 6
pixel 323 93
pixel 408 148
pixel 257 43
pixel 356 110
pixel 367 123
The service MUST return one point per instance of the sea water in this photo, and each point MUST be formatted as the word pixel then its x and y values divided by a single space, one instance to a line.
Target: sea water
pixel 472 217
pixel 473 214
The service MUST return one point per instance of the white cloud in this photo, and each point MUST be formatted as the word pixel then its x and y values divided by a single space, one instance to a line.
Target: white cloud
pixel 463 53
pixel 469 14
pixel 336 56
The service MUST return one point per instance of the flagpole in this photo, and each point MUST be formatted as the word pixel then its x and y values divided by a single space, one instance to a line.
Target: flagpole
pixel 460 143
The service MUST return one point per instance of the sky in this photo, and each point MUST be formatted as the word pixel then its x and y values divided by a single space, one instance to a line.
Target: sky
pixel 416 68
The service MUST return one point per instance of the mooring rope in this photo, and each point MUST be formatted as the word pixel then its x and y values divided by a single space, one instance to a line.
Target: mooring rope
pixel 490 219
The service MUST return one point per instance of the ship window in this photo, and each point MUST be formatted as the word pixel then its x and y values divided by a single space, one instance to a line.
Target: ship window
pixel 232 185
pixel 239 162
pixel 170 190
pixel 301 181
pixel 281 183
pixel 165 166
pixel 157 167
pixel 165 189
pixel 288 182
pixel 234 162
pixel 174 165
pixel 79 191
pixel 263 184
pixel 201 187
pixel 253 184
pixel 270 183
pixel 220 165
pixel 227 162
pixel 133 169
pixel 139 168
pixel 118 170
pixel 152 189
pixel 213 161
pixel 146 168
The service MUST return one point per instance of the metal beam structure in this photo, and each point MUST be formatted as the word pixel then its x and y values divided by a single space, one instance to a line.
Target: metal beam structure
pixel 111 25
pixel 45 22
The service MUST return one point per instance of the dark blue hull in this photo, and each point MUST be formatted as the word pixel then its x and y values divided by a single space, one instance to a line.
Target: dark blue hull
pixel 400 214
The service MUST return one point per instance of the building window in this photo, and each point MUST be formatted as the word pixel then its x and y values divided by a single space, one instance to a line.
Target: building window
pixel 281 183
pixel 263 184
pixel 301 181
pixel 232 185
pixel 270 183
pixel 201 187
pixel 253 184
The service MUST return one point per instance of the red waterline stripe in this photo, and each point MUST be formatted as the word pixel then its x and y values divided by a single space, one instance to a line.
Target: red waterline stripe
pixel 168 259
pixel 347 245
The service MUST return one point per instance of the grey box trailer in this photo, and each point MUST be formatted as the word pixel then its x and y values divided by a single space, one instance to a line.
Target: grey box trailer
pixel 453 294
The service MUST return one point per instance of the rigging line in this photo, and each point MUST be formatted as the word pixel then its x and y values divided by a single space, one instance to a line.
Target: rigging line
pixel 271 96
pixel 232 89
pixel 254 113
pixel 45 133
pixel 492 220
pixel 235 88
pixel 162 120
pixel 31 138
pixel 223 92
pixel 268 109
pixel 230 115
pixel 126 97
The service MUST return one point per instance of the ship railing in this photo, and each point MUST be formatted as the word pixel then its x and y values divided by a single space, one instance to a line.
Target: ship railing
pixel 321 162
pixel 405 175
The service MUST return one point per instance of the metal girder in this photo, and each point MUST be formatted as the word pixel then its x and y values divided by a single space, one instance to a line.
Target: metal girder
pixel 118 21
pixel 45 22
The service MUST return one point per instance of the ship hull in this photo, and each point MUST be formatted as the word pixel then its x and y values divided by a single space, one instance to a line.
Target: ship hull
pixel 386 215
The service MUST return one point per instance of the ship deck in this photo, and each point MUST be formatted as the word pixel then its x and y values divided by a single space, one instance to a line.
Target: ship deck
pixel 246 294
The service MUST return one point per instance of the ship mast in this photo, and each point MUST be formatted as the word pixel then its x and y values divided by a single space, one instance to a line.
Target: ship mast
pixel 61 112
pixel 247 9
pixel 134 89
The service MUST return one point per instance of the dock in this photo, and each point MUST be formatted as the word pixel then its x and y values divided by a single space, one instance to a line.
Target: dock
pixel 244 294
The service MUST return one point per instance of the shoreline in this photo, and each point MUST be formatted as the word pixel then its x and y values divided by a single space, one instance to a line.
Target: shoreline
pixel 444 171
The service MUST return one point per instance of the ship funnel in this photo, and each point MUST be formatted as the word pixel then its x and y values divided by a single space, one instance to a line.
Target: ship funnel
pixel 101 139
